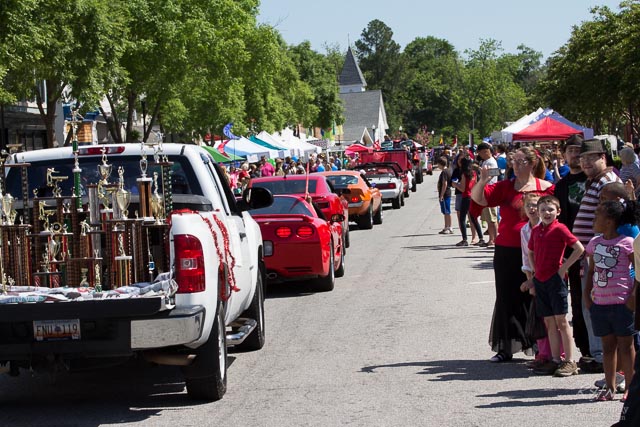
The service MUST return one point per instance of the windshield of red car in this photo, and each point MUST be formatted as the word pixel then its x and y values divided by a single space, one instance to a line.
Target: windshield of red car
pixel 286 186
pixel 283 206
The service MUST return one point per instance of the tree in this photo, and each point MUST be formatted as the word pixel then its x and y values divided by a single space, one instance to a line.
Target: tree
pixel 68 46
pixel 319 73
pixel 433 93
pixel 382 65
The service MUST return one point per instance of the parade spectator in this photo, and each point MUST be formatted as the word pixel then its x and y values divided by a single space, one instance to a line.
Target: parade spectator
pixel 267 168
pixel 530 207
pixel 569 190
pixel 465 184
pixel 501 160
pixel 609 289
pixel 489 214
pixel 244 176
pixel 444 194
pixel 546 249
pixel 630 171
pixel 279 168
pixel 510 311
pixel 630 414
pixel 593 163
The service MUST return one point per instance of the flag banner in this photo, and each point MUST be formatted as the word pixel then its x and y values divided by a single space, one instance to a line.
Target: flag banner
pixel 227 131
pixel 221 146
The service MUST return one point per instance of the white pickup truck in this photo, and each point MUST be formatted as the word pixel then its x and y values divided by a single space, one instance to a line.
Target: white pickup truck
pixel 212 251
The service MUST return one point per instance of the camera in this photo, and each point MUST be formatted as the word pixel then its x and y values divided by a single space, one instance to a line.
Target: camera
pixel 494 172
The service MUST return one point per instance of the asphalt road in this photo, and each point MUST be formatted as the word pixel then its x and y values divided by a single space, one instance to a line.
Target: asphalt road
pixel 401 341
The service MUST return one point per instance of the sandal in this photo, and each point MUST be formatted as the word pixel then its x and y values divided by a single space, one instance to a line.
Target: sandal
pixel 500 357
pixel 604 395
pixel 462 243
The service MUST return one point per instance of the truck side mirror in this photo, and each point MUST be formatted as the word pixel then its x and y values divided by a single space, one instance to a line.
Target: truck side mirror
pixel 337 218
pixel 255 198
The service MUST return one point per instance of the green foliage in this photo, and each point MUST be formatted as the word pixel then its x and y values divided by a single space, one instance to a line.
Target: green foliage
pixel 593 78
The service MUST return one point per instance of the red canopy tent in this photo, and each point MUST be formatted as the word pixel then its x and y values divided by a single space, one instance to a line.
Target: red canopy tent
pixel 357 148
pixel 546 129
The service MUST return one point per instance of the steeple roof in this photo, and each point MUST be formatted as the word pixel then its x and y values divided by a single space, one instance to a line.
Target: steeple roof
pixel 351 73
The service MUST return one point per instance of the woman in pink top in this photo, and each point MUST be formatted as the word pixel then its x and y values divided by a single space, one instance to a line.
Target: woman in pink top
pixel 507 335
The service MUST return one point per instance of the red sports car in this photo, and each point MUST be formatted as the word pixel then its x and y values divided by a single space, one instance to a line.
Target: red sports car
pixel 319 189
pixel 299 243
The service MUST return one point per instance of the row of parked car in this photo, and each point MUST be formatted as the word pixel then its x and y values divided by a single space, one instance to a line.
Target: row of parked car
pixel 306 229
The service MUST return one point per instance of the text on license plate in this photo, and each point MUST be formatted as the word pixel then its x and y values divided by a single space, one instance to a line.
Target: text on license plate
pixel 49 330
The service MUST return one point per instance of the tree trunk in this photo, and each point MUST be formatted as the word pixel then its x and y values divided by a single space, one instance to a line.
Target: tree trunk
pixel 131 99
pixel 152 120
pixel 48 117
pixel 113 124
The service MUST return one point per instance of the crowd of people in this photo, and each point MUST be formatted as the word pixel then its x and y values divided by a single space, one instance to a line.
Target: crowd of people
pixel 239 177
pixel 563 224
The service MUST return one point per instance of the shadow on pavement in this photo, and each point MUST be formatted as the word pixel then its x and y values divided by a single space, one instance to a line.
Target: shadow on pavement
pixel 129 393
pixel 538 397
pixel 461 370
pixel 291 289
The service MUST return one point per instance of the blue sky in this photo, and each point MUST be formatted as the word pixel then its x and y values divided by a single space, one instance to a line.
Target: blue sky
pixel 543 25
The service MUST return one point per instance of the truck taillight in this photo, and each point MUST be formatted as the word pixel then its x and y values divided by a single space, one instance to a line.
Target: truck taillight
pixel 189 259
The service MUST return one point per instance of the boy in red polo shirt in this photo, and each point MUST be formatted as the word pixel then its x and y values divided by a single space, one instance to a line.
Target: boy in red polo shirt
pixel 546 248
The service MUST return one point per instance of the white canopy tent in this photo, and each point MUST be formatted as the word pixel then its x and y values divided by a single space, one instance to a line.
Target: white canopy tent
pixel 252 151
pixel 518 125
pixel 287 136
pixel 278 142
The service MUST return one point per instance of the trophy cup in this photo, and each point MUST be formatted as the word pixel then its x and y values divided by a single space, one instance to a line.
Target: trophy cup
pixel 157 202
pixel 123 264
pixel 144 187
pixel 122 196
pixel 104 170
pixel 53 248
pixel 84 282
pixel 7 209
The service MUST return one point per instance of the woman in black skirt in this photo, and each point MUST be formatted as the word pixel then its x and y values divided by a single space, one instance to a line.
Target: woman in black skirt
pixel 507 335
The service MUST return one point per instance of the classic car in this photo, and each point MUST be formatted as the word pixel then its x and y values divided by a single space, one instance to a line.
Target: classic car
pixel 386 178
pixel 300 243
pixel 317 187
pixel 365 200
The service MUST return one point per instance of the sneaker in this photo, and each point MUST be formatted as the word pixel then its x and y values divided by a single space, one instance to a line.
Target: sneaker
pixel 479 243
pixel 620 384
pixel 500 357
pixel 443 231
pixel 536 363
pixel 566 369
pixel 547 368
pixel 448 231
pixel 592 367
pixel 462 243
pixel 604 395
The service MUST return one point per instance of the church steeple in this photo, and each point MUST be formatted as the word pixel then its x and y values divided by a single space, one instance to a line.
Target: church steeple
pixel 351 78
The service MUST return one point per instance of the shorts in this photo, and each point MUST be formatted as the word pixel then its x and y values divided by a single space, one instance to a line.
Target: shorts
pixel 445 206
pixel 551 296
pixel 614 319
pixel 489 215
pixel 458 201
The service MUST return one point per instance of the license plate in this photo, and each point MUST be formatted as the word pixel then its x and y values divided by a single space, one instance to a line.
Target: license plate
pixel 52 330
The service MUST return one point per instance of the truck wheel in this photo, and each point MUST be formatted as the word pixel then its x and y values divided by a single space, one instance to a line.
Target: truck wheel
pixel 340 270
pixel 402 200
pixel 366 222
pixel 256 340
pixel 414 187
pixel 419 177
pixel 325 284
pixel 377 217
pixel 206 378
